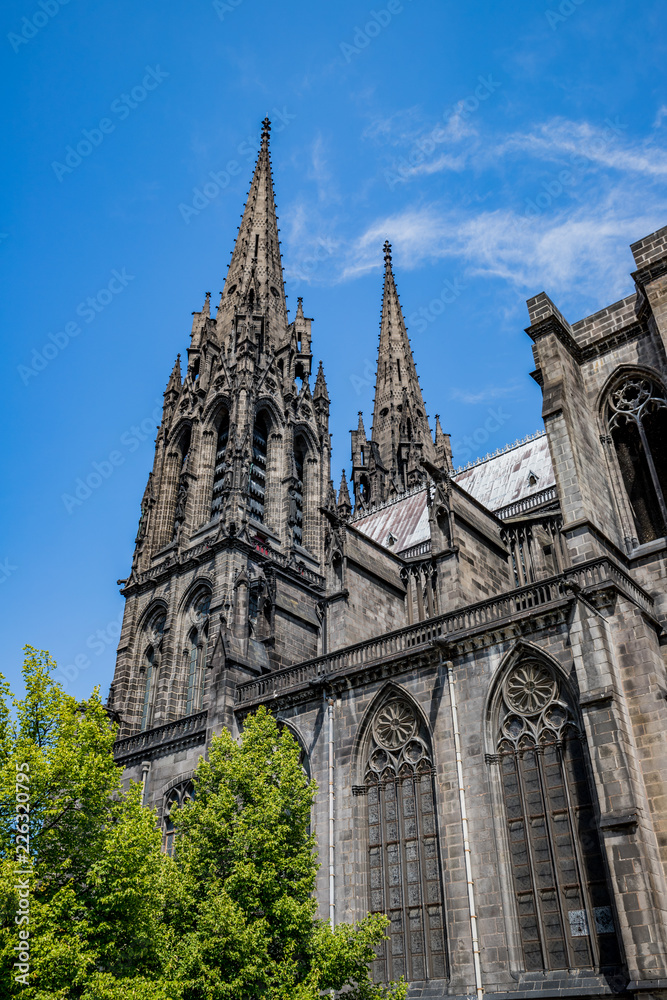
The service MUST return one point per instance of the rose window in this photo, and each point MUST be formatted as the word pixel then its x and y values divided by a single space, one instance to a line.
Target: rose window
pixel 530 687
pixel 395 725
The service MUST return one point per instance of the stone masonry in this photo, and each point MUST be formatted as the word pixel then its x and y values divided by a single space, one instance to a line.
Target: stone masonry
pixel 512 611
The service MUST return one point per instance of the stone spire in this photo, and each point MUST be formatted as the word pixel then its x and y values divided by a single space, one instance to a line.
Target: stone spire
pixel 443 447
pixel 321 385
pixel 400 425
pixel 344 505
pixel 254 282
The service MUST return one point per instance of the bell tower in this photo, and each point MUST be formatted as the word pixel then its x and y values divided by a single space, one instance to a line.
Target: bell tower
pixel 232 505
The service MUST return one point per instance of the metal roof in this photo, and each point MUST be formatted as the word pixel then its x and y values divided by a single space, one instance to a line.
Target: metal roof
pixel 514 473
pixel 509 475
pixel 405 518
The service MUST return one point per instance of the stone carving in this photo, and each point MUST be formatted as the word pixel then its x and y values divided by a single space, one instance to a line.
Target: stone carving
pixel 394 725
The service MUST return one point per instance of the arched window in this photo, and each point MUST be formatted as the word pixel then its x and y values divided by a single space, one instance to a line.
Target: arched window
pixel 196 653
pixel 182 488
pixel 559 877
pixel 221 475
pixel 637 420
pixel 257 476
pixel 403 849
pixel 176 798
pixel 296 515
pixel 154 631
pixel 149 665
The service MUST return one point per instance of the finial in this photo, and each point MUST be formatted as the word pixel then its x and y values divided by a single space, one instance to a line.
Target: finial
pixel 299 300
pixel 266 129
pixel 208 295
pixel 387 252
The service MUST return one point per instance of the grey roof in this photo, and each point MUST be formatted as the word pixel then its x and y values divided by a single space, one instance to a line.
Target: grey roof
pixel 507 476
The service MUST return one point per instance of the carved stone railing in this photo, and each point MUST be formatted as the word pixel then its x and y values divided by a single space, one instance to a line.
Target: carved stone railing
pixel 147 743
pixel 528 503
pixel 195 551
pixel 517 602
pixel 420 549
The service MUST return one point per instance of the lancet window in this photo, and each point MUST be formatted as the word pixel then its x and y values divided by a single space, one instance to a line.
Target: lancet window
pixel 222 469
pixel 637 421
pixel 149 667
pixel 297 494
pixel 195 653
pixel 563 903
pixel 176 798
pixel 257 475
pixel 403 849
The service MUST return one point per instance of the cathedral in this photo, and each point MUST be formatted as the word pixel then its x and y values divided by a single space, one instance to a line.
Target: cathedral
pixel 472 660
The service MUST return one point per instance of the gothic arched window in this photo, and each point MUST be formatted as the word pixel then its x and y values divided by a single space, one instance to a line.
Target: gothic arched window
pixel 403 849
pixel 558 870
pixel 637 421
pixel 154 631
pixel 196 653
pixel 221 474
pixel 149 666
pixel 176 798
pixel 257 475
pixel 183 451
pixel 296 515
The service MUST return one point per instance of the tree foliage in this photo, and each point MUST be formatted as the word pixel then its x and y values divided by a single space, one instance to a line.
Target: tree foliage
pixel 231 917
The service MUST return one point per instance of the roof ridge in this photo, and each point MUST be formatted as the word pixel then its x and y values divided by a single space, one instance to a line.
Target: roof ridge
pixel 499 451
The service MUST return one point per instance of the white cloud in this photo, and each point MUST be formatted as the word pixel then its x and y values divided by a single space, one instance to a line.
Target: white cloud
pixel 605 146
pixel 586 246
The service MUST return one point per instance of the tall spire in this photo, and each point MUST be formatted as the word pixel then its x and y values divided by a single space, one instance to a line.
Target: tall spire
pixel 254 282
pixel 400 424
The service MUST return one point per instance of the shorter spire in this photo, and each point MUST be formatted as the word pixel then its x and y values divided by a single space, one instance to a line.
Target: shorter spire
pixel 206 311
pixel 175 377
pixel 321 385
pixel 299 308
pixel 344 505
pixel 360 425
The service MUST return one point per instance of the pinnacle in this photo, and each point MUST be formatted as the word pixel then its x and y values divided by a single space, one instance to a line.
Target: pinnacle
pixel 321 384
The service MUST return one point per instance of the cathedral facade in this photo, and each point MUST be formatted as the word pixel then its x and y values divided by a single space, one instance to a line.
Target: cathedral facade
pixel 472 660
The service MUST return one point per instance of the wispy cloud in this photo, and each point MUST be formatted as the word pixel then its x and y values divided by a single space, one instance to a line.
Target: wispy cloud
pixel 486 395
pixel 586 244
pixel 604 146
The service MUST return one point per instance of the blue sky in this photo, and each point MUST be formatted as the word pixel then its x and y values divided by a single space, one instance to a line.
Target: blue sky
pixel 502 148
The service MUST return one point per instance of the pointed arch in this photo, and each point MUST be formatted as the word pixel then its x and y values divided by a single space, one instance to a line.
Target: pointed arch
pixel 546 818
pixel 403 862
pixel 632 410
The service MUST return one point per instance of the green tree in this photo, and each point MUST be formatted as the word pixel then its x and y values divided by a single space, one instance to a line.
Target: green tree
pixel 232 915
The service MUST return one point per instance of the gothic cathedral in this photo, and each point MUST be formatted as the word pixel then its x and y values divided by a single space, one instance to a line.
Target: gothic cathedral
pixel 473 657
